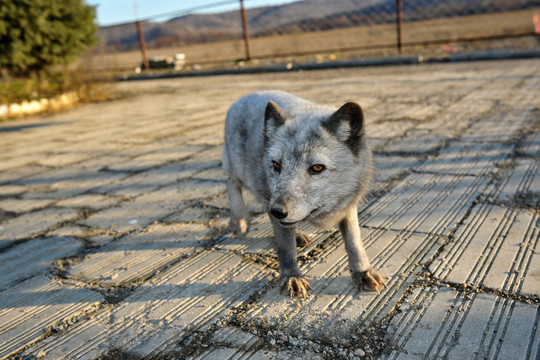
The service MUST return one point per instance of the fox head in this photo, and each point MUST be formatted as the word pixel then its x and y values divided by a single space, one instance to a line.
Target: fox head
pixel 317 162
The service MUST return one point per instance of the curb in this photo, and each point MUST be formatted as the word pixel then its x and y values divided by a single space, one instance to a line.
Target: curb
pixel 38 106
pixel 413 60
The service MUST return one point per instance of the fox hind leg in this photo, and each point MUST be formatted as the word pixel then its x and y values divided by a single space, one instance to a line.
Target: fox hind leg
pixel 302 239
pixel 239 222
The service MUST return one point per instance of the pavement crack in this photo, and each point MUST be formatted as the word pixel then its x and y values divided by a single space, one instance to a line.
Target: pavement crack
pixel 265 260
pixel 526 200
pixel 421 155
pixel 427 280
pixel 58 328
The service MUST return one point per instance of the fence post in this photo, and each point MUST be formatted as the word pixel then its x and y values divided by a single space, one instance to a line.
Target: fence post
pixel 245 28
pixel 399 20
pixel 142 45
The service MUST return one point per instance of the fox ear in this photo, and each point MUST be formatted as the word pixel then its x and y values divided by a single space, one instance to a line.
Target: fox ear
pixel 347 124
pixel 274 117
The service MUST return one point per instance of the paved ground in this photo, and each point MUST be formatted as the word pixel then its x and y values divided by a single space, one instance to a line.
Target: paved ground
pixel 113 239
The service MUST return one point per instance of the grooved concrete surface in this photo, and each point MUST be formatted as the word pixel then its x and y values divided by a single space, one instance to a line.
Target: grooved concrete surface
pixel 114 241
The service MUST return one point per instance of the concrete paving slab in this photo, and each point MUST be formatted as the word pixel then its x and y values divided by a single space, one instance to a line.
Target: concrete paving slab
pixel 501 127
pixel 69 181
pixel 448 124
pixel 214 173
pixel 136 257
pixel 34 257
pixel 150 180
pixel 12 175
pixel 14 162
pixel 200 136
pixel 22 206
pixel 495 248
pixel 390 169
pixel 190 296
pixel 520 188
pixel 60 159
pixel 38 307
pixel 194 189
pixel 444 323
pixel 431 134
pixel 468 159
pixel 11 190
pixel 92 201
pixel 531 145
pixel 91 236
pixel 212 154
pixel 518 103
pixel 235 338
pixel 416 141
pixel 33 224
pixel 391 128
pixel 152 206
pixel 156 158
pixel 428 203
pixel 198 213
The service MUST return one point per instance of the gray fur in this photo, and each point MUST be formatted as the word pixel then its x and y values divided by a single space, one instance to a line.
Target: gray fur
pixel 273 143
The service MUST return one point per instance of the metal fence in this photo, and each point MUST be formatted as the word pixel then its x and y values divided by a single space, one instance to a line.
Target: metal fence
pixel 322 30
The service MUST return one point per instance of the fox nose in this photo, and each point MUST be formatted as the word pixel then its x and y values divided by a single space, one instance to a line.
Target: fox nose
pixel 278 213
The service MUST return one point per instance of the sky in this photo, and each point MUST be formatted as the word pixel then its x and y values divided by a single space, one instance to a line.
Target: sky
pixel 111 12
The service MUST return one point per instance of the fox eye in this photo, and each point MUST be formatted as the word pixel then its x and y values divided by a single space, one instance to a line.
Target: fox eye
pixel 317 168
pixel 277 166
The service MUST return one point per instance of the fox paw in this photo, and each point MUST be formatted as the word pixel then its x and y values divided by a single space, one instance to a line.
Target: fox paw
pixel 239 226
pixel 370 280
pixel 302 239
pixel 296 286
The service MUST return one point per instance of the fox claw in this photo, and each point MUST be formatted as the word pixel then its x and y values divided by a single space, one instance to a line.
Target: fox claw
pixel 370 280
pixel 296 286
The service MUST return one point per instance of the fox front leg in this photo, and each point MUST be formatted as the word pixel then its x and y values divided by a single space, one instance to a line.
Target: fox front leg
pixel 364 276
pixel 290 278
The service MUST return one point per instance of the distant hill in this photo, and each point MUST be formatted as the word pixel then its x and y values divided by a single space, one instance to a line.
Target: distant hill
pixel 300 16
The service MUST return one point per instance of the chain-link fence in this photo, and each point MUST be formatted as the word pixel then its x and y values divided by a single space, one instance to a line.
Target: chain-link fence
pixel 322 30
